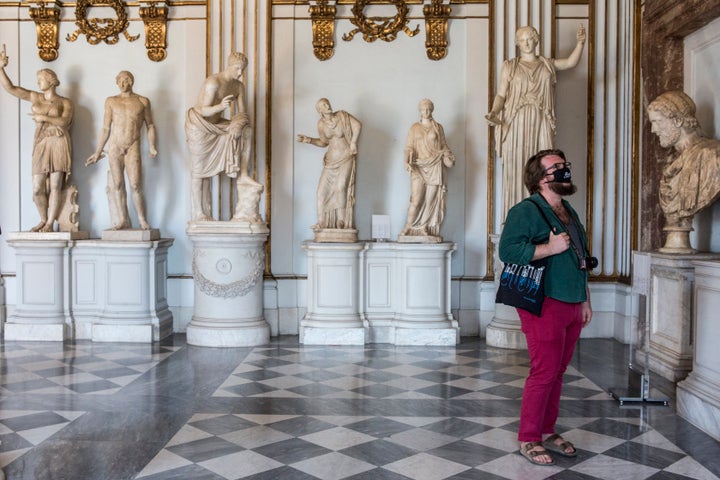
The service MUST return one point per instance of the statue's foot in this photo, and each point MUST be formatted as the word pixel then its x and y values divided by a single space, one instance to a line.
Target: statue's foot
pixel 121 226
pixel 144 225
pixel 202 218
pixel 48 227
pixel 39 226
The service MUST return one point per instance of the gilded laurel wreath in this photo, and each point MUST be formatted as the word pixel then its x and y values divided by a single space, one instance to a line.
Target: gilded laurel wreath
pixel 98 30
pixel 384 28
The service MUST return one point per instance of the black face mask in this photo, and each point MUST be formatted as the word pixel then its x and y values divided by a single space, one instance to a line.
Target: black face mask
pixel 562 175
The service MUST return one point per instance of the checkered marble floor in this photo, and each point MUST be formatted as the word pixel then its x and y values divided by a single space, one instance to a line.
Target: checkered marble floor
pixel 287 411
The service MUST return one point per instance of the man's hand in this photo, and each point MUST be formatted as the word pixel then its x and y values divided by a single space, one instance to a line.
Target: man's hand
pixel 558 243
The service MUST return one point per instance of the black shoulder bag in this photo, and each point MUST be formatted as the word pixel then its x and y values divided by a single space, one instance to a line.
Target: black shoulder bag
pixel 522 286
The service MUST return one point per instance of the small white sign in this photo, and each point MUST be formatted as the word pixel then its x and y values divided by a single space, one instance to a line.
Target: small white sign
pixel 381 227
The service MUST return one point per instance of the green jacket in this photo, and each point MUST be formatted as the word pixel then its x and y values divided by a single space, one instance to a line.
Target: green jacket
pixel 524 228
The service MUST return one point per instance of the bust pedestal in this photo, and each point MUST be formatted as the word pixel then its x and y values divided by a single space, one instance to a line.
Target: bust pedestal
pixel 228 267
pixel 43 286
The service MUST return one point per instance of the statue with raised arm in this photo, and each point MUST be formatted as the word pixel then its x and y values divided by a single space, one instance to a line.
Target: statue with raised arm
pixel 523 111
pixel 427 156
pixel 690 179
pixel 125 115
pixel 221 144
pixel 52 151
pixel 338 132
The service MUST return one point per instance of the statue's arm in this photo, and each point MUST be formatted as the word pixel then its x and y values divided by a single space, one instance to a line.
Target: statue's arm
pixel 574 58
pixel 104 135
pixel 205 105
pixel 355 126
pixel 147 111
pixel 63 121
pixel 19 92
pixel 493 116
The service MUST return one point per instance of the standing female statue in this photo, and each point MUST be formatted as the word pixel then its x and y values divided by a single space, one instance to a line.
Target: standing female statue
pixel 426 157
pixel 524 108
pixel 51 154
pixel 339 132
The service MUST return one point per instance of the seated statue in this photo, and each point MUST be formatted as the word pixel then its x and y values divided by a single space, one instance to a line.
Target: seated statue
pixel 427 155
pixel 339 132
pixel 691 177
pixel 125 115
pixel 219 145
pixel 55 200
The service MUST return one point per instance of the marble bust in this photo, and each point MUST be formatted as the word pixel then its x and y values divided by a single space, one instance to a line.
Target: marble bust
pixel 426 158
pixel 523 110
pixel 219 137
pixel 338 131
pixel 125 115
pixel 690 178
pixel 54 198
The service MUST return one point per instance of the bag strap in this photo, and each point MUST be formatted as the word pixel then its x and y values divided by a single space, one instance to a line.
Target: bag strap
pixel 552 229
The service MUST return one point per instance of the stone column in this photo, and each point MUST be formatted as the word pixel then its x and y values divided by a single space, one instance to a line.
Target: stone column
pixel 228 266
pixel 334 291
pixel 698 395
pixel 43 306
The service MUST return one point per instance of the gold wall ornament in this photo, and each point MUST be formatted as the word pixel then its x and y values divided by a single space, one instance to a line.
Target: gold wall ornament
pixel 323 29
pixel 384 28
pixel 46 15
pixel 154 15
pixel 436 29
pixel 98 30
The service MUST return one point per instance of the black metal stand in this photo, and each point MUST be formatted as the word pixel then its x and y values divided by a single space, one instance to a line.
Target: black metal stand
pixel 638 388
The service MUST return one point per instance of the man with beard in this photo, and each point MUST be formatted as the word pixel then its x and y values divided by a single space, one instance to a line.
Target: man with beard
pixel 551 337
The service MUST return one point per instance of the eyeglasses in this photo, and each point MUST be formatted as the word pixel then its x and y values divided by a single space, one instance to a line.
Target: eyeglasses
pixel 558 166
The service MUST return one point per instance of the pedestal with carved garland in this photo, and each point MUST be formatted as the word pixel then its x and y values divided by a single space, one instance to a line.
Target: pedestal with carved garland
pixel 228 265
pixel 43 286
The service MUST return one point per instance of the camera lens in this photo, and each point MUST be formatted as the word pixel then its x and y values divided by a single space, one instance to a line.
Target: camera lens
pixel 592 262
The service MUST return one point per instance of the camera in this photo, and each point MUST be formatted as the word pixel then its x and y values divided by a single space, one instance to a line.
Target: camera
pixel 589 263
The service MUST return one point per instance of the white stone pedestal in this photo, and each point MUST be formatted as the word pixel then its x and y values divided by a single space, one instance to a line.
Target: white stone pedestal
pixel 120 290
pixel 228 266
pixel 672 278
pixel 698 396
pixel 42 309
pixel 504 330
pixel 423 314
pixel 333 311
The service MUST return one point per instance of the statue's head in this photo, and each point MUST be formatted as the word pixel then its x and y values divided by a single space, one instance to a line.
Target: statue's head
pixel 323 106
pixel 529 32
pixel 237 58
pixel 49 76
pixel 671 114
pixel 125 74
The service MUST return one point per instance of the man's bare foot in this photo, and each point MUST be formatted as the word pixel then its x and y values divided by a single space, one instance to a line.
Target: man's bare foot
pixel 39 226
pixel 121 226
pixel 144 225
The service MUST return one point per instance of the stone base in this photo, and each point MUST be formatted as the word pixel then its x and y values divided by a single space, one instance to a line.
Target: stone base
pixel 332 336
pixel 57 236
pixel 122 333
pixel 34 332
pixel 238 227
pixel 335 235
pixel 206 336
pixel 697 402
pixel 505 330
pixel 419 239
pixel 448 337
pixel 131 235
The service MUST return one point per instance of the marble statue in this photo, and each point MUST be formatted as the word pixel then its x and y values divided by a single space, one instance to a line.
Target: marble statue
pixel 125 115
pixel 338 132
pixel 427 156
pixel 523 111
pixel 691 176
pixel 220 144
pixel 55 200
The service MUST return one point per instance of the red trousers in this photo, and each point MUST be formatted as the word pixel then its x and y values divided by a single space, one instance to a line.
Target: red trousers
pixel 551 340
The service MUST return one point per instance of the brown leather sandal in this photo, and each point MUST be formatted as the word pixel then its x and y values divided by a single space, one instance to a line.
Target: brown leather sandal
pixel 531 455
pixel 560 448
